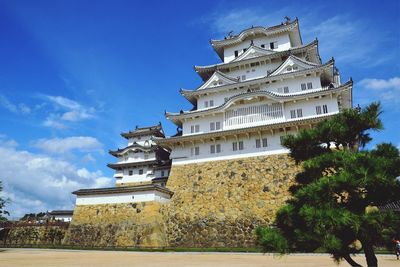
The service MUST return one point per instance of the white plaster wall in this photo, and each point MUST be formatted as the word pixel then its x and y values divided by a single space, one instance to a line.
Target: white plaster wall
pixel 140 140
pixel 294 85
pixel 308 107
pixel 203 122
pixel 64 218
pixel 132 197
pixel 147 175
pixel 181 155
pixel 283 41
pixel 136 157
pixel 158 173
pixel 254 72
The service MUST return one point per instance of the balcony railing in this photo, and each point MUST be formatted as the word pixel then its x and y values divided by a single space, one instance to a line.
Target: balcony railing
pixel 253 114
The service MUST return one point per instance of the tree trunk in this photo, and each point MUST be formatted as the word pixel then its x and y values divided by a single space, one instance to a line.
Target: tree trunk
pixel 351 261
pixel 370 254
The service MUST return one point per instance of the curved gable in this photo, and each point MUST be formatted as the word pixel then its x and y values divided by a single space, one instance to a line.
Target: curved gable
pixel 253 52
pixel 218 79
pixel 291 64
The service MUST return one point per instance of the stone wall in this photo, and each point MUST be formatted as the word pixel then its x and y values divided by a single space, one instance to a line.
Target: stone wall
pixel 127 224
pixel 35 234
pixel 215 204
pixel 220 203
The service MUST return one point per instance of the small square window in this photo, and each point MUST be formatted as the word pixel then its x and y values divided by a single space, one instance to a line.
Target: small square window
pixel 211 103
pixel 258 143
pixel 318 110
pixel 243 77
pixel 218 148
pixel 217 125
pixel 212 149
pixel 309 85
pixel 299 113
pixel 234 146
pixel 325 109
pixel 303 86
pixel 264 142
pixel 293 114
pixel 206 104
pixel 263 46
pixel 195 151
pixel 197 128
pixel 241 145
pixel 130 172
pixel 141 171
pixel 212 126
pixel 236 53
pixel 286 89
pixel 162 173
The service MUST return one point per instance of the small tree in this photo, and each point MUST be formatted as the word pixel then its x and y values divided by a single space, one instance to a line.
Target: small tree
pixel 2 206
pixel 335 198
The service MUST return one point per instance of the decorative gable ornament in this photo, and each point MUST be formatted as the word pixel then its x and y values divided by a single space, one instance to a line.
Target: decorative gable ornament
pixel 291 64
pixel 218 79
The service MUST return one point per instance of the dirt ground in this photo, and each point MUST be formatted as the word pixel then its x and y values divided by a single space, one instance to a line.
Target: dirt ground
pixel 72 258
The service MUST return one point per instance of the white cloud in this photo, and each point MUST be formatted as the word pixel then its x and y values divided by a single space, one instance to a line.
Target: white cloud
pixel 17 109
pixel 385 90
pixel 36 182
pixel 63 145
pixel 380 84
pixel 53 121
pixel 66 110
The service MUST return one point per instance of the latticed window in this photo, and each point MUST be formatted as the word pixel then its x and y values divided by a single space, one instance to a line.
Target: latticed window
pixel 218 148
pixel 241 145
pixel 299 113
pixel 264 142
pixel 325 109
pixel 286 89
pixel 258 143
pixel 212 149
pixel 234 146
pixel 195 151
pixel 318 110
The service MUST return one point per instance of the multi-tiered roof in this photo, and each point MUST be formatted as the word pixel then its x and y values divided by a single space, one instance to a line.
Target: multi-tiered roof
pixel 295 62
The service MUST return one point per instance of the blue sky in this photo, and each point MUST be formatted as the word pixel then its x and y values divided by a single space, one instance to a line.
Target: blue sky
pixel 75 74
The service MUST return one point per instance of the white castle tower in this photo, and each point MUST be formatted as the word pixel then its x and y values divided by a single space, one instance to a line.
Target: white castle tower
pixel 269 85
pixel 141 171
pixel 142 161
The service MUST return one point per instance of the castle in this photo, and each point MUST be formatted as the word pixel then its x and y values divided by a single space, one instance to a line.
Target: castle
pixel 225 172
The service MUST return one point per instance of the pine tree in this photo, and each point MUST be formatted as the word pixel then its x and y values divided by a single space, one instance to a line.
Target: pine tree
pixel 334 203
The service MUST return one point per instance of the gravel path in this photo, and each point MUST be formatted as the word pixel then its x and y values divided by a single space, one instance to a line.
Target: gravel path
pixel 84 258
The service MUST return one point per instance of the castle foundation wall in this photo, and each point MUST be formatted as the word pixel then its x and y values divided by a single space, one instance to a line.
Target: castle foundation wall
pixel 124 224
pixel 220 203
